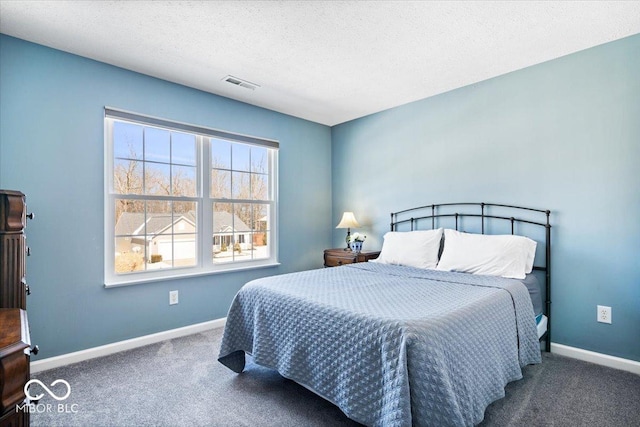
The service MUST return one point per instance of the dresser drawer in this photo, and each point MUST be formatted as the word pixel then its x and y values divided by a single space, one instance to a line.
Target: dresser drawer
pixel 15 419
pixel 338 257
pixel 331 260
pixel 14 360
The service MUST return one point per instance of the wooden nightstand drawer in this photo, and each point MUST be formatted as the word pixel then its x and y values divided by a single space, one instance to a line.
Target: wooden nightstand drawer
pixel 332 260
pixel 338 257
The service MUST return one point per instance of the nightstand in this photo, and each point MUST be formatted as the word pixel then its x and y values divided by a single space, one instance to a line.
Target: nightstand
pixel 336 257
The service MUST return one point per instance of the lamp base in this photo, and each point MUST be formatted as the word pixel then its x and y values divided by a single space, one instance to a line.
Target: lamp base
pixel 348 240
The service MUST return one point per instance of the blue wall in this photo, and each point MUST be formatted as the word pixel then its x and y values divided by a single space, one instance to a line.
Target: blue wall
pixel 563 135
pixel 51 148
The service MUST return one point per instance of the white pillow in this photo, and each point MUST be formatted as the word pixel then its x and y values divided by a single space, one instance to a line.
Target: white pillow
pixel 529 246
pixel 494 255
pixel 412 248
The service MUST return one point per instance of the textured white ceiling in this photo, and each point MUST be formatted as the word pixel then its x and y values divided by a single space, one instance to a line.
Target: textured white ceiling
pixel 325 61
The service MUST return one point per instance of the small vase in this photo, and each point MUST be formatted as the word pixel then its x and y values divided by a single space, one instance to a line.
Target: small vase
pixel 356 246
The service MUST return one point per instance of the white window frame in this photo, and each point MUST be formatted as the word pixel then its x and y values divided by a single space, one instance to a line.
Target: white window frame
pixel 204 256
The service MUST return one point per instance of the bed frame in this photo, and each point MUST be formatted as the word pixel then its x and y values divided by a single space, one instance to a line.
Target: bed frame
pixel 443 214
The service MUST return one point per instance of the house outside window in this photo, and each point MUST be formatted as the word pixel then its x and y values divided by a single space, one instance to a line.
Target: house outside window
pixel 185 200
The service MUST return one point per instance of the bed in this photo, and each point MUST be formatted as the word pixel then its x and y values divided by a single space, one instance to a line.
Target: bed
pixel 395 343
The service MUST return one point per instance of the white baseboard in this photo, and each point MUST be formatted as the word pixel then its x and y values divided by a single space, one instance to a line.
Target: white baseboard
pixel 597 358
pixel 104 350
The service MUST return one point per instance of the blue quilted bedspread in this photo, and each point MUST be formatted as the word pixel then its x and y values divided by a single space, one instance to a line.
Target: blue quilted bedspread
pixel 389 345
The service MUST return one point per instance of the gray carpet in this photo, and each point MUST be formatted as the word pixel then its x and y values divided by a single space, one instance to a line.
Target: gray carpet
pixel 180 383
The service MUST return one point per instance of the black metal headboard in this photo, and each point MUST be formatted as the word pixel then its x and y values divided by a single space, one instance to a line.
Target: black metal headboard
pixel 455 214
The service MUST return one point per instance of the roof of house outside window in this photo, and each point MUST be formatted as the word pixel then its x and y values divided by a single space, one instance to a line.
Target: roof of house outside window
pixel 132 223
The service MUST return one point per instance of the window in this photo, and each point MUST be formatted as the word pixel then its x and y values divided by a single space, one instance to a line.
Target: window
pixel 184 200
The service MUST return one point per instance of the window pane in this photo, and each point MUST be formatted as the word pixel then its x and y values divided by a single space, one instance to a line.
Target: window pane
pixel 129 217
pixel 259 187
pixel 171 237
pixel 186 237
pixel 261 245
pixel 158 216
pixel 156 145
pixel 222 218
pixel 127 140
pixel 261 231
pixel 241 185
pixel 223 230
pixel 183 148
pixel 259 160
pixel 241 232
pixel 261 217
pixel 222 248
pixel 243 220
pixel 242 246
pixel 220 154
pixel 158 234
pixel 183 181
pixel 184 249
pixel 220 184
pixel 158 237
pixel 240 157
pixel 181 208
pixel 129 236
pixel 127 176
pixel 157 179
pixel 189 209
pixel 128 257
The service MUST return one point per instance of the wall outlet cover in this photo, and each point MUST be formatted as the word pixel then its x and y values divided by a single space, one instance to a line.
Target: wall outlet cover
pixel 173 297
pixel 604 314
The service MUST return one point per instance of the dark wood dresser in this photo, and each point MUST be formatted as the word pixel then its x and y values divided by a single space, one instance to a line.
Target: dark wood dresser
pixel 13 250
pixel 15 342
pixel 14 366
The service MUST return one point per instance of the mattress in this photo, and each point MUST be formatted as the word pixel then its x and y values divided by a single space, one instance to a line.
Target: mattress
pixel 541 324
pixel 536 292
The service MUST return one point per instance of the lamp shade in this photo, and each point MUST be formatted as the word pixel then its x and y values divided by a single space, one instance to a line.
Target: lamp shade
pixel 348 221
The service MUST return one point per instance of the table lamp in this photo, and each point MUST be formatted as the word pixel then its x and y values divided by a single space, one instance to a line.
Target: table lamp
pixel 348 221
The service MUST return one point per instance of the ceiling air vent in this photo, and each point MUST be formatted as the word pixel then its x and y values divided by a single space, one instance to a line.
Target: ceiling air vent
pixel 239 82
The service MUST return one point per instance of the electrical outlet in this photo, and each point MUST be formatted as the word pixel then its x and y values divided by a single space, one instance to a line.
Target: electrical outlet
pixel 173 297
pixel 604 314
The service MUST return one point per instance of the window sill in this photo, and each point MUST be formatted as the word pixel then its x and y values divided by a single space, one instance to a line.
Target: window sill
pixel 230 269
